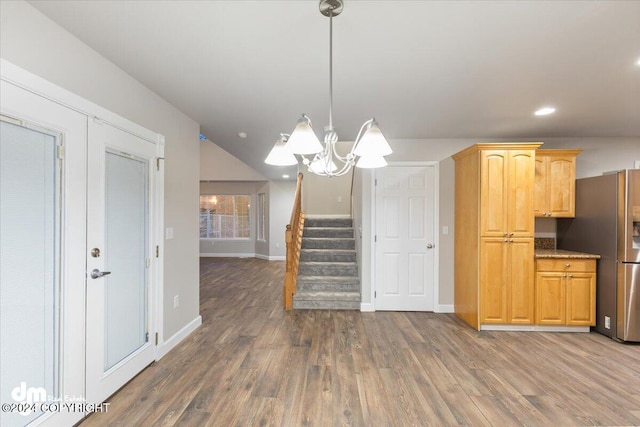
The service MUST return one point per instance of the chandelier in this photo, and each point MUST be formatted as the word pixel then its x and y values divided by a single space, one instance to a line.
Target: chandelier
pixel 367 151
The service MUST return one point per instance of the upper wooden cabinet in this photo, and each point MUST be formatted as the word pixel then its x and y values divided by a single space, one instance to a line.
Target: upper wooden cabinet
pixel 506 193
pixel 555 175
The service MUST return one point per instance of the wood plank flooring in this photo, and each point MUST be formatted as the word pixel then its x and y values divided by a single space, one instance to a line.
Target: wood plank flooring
pixel 252 363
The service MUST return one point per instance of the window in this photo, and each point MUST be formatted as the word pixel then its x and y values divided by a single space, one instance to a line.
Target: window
pixel 262 216
pixel 224 217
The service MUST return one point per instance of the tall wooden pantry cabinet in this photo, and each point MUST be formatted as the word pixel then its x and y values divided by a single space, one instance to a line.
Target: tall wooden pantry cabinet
pixel 494 234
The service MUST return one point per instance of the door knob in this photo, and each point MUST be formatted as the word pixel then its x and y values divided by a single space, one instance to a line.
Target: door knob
pixel 95 273
pixel 430 245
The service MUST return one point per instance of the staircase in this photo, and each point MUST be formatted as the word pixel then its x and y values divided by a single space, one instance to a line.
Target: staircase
pixel 328 272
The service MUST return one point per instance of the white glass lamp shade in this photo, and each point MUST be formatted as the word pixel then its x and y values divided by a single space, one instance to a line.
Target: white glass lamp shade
pixel 320 167
pixel 280 155
pixel 373 143
pixel 303 140
pixel 371 162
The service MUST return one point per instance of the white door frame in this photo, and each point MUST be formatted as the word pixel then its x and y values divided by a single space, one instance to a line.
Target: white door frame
pixel 436 234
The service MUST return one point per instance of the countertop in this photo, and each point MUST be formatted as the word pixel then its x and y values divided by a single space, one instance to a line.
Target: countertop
pixel 559 253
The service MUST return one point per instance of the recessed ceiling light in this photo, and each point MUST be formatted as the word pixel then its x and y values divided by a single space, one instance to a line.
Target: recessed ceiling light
pixel 242 135
pixel 545 111
pixel 285 176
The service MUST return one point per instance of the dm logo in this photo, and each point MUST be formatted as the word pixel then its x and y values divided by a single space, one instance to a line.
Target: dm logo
pixel 28 395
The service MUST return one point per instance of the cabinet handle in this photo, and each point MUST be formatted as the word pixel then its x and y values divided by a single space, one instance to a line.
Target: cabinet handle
pixel 506 240
pixel 510 234
pixel 568 265
pixel 571 275
pixel 511 241
pixel 505 235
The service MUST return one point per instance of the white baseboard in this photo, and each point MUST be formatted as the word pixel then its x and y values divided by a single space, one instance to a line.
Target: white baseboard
pixel 169 344
pixel 367 306
pixel 443 308
pixel 271 258
pixel 534 328
pixel 228 255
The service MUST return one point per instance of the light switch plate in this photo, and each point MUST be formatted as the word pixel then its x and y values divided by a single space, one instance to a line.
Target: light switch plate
pixel 168 233
pixel 637 164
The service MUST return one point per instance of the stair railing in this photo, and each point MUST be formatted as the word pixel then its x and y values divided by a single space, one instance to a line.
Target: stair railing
pixel 293 239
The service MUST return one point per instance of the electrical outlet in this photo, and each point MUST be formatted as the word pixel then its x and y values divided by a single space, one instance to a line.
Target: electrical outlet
pixel 339 199
pixel 445 230
pixel 176 301
pixel 607 322
pixel 277 245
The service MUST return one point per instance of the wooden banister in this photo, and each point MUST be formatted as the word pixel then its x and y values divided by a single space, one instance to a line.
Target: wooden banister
pixel 293 240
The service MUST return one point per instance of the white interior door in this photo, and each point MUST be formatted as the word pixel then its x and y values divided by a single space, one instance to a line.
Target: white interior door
pixel 405 238
pixel 119 257
pixel 42 247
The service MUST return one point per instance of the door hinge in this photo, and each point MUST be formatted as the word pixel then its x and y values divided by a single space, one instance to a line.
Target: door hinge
pixel 147 337
pixel 60 152
pixel 157 251
pixel 375 182
pixel 156 338
pixel 375 238
pixel 158 162
pixel 148 263
pixel 375 294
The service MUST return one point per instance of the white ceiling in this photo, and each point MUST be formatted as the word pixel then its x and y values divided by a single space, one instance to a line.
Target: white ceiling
pixel 424 69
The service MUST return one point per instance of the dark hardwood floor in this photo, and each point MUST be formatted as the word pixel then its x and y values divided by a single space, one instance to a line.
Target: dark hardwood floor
pixel 252 363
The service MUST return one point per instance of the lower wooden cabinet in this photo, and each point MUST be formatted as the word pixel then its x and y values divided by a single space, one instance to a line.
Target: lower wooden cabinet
pixel 506 281
pixel 566 292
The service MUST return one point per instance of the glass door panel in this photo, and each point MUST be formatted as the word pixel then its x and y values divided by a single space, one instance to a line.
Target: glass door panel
pixel 29 269
pixel 125 299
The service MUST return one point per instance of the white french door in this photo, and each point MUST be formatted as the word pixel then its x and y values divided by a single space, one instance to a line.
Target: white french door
pixel 78 197
pixel 405 238
pixel 119 257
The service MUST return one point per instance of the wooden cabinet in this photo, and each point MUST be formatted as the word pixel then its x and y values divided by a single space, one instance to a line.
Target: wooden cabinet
pixel 506 185
pixel 565 292
pixel 494 229
pixel 507 287
pixel 555 175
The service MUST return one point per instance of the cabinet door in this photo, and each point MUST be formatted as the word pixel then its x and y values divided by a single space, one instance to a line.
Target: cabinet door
pixel 493 280
pixel 493 193
pixel 561 186
pixel 550 298
pixel 581 292
pixel 521 173
pixel 521 282
pixel 540 191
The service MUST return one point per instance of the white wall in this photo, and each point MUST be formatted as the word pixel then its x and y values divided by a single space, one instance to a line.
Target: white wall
pixel 37 44
pixel 599 155
pixel 281 196
pixel 216 164
pixel 323 196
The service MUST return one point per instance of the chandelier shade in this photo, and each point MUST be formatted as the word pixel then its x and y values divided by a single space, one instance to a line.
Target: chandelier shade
pixel 303 139
pixel 368 149
pixel 372 143
pixel 280 154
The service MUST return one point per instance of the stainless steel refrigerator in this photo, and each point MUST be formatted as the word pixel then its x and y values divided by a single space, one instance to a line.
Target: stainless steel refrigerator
pixel 607 223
